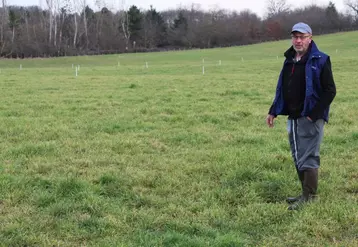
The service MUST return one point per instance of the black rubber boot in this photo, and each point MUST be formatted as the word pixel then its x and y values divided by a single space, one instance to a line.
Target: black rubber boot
pixel 301 176
pixel 309 192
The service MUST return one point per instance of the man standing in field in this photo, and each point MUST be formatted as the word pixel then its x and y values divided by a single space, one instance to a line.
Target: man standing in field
pixel 304 92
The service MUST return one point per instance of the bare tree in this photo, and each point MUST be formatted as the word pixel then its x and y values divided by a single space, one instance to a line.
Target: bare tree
pixel 51 14
pixel 100 5
pixel 277 7
pixel 353 5
pixel 73 8
pixel 56 10
pixel 63 7
pixel 24 16
pixel 3 21
pixel 125 23
pixel 83 6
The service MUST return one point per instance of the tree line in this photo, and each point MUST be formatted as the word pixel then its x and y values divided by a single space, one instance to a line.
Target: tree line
pixel 71 27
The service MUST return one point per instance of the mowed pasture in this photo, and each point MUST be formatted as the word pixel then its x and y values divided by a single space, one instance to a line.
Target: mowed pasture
pixel 164 155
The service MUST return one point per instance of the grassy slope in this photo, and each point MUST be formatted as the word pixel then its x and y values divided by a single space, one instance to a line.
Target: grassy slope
pixel 166 156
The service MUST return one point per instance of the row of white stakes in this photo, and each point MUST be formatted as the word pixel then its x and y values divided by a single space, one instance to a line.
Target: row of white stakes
pixel 78 67
pixel 146 65
pixel 204 65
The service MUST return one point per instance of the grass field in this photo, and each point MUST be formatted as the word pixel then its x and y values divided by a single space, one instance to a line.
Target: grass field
pixel 166 156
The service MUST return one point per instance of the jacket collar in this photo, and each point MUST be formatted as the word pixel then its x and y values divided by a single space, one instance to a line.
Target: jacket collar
pixel 312 51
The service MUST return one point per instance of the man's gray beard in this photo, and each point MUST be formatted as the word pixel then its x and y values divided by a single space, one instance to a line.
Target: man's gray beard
pixel 300 52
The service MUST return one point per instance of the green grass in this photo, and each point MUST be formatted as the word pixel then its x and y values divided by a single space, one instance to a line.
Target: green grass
pixel 166 156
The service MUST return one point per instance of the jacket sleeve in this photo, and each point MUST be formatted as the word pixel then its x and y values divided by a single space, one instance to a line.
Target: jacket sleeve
pixel 271 111
pixel 328 91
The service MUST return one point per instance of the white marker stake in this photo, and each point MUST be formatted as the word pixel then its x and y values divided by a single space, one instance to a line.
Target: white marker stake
pixel 203 70
pixel 20 66
pixel 76 71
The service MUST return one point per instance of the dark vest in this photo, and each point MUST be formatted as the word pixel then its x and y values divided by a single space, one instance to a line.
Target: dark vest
pixel 316 60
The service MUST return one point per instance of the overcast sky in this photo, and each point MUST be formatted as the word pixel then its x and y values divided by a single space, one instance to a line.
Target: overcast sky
pixel 256 6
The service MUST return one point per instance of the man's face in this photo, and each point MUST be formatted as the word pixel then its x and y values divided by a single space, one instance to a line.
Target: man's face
pixel 301 41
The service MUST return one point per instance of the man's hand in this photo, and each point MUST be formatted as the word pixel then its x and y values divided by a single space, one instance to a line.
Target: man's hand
pixel 269 120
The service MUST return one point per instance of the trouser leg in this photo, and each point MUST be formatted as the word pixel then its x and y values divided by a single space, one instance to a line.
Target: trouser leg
pixel 305 138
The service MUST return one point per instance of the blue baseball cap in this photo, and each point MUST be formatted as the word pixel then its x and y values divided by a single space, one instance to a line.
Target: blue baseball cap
pixel 302 28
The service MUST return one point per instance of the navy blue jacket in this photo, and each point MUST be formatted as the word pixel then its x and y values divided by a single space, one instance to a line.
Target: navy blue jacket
pixel 314 65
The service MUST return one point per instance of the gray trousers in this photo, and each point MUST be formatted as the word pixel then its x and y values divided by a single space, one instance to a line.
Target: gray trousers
pixel 305 138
